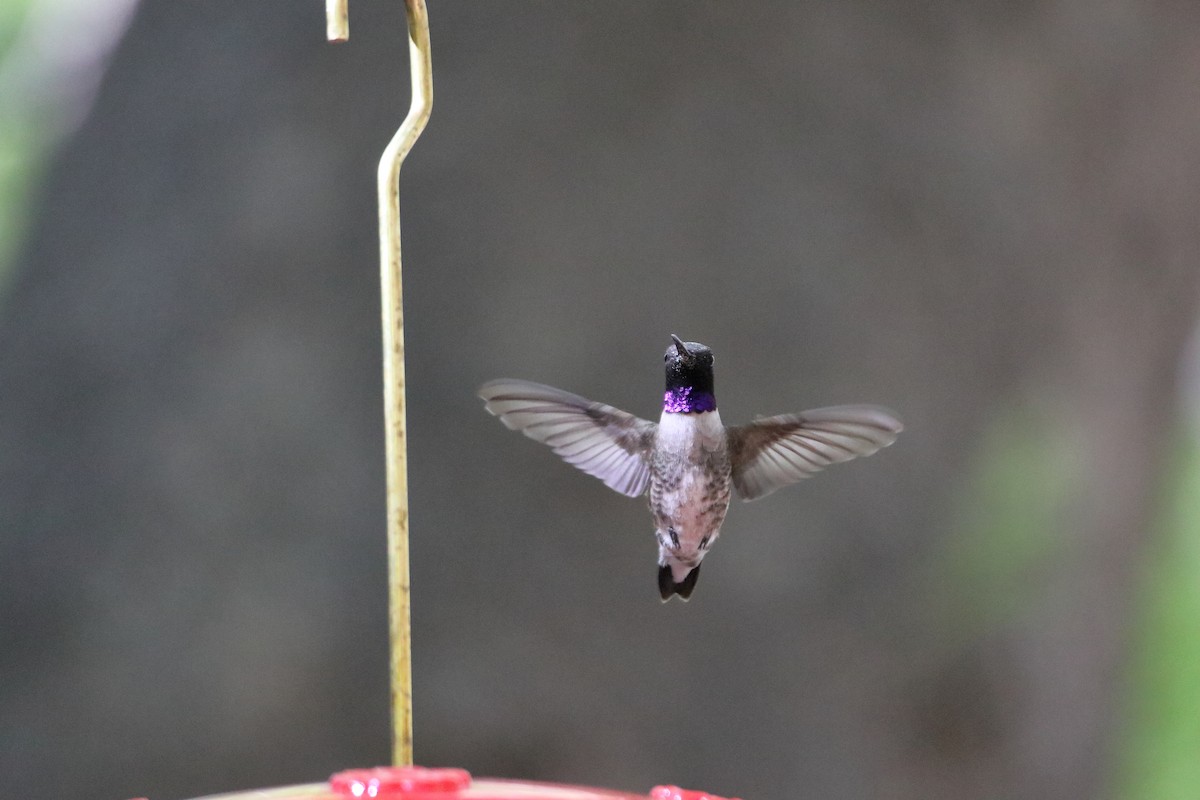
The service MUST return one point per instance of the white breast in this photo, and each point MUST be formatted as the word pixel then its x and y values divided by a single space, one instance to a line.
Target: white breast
pixel 682 486
pixel 681 432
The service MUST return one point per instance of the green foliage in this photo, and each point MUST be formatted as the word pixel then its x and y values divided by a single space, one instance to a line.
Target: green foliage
pixel 12 13
pixel 1023 477
pixel 1159 757
pixel 20 157
pixel 1009 518
pixel 21 142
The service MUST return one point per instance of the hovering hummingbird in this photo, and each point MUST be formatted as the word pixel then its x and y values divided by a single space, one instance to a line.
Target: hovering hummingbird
pixel 689 460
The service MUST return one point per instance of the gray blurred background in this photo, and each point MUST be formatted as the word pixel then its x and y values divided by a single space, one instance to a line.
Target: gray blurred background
pixel 983 215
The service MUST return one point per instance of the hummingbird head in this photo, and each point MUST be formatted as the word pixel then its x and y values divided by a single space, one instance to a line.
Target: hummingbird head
pixel 689 378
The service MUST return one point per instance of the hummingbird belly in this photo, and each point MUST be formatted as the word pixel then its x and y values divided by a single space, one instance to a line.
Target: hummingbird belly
pixel 689 486
pixel 689 517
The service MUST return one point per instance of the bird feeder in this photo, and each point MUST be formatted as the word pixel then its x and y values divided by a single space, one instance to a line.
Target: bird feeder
pixel 403 781
pixel 419 783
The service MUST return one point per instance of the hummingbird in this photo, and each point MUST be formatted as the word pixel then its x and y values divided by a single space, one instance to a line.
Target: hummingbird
pixel 688 462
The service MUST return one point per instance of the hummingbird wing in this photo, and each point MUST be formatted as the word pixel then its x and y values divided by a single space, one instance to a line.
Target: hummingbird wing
pixel 603 441
pixel 773 452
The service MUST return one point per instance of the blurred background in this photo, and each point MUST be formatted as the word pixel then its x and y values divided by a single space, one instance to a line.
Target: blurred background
pixel 983 215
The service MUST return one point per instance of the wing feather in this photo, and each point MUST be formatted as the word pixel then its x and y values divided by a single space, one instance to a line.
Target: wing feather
pixel 771 453
pixel 598 439
pixel 804 458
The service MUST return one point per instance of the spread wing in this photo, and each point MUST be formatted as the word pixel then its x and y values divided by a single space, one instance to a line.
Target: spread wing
pixel 773 452
pixel 601 440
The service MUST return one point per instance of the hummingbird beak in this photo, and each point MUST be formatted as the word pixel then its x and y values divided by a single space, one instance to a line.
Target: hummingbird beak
pixel 683 351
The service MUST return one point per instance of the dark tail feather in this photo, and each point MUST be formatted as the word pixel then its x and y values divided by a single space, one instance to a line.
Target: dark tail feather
pixel 668 587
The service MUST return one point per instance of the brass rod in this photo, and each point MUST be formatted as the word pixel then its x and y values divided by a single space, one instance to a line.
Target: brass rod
pixel 396 441
pixel 337 21
pixel 392 302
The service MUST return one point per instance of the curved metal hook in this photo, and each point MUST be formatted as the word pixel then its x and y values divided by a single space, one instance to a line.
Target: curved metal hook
pixel 393 376
pixel 395 433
